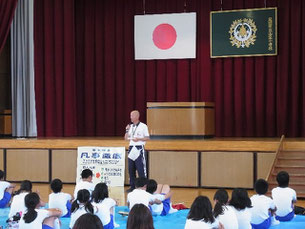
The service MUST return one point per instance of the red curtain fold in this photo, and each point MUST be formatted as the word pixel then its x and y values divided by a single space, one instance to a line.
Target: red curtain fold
pixel 55 82
pixel 7 11
pixel 87 80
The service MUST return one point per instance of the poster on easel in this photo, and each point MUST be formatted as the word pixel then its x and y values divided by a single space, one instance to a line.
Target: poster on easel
pixel 106 163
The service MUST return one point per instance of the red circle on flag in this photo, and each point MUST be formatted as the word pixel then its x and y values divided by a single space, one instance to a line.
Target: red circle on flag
pixel 164 36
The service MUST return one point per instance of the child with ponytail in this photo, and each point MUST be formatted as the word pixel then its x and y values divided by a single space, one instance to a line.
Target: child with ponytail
pixel 17 205
pixel 35 217
pixel 222 212
pixel 81 206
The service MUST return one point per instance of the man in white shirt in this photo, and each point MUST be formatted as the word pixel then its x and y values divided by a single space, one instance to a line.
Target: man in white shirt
pixel 137 134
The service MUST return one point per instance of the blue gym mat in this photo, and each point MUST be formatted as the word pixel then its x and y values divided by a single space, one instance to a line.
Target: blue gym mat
pixel 172 221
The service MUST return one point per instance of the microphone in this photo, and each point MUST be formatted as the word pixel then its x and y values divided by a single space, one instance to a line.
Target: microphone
pixel 128 126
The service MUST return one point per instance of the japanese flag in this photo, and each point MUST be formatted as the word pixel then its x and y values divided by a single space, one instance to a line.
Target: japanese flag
pixel 165 36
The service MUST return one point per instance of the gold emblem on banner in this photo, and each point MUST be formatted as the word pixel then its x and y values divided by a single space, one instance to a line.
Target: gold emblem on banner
pixel 243 33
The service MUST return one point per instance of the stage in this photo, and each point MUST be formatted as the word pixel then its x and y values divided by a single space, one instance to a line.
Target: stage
pixel 216 162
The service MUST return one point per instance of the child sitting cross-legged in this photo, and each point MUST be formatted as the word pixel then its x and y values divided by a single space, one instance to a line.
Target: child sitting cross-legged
pixel 140 196
pixel 263 207
pixel 162 193
pixel 104 204
pixel 223 212
pixel 59 199
pixel 201 215
pixel 6 190
pixel 35 217
pixel 81 205
pixel 284 198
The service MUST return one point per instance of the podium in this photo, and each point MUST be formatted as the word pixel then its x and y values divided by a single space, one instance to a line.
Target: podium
pixel 181 120
pixel 6 122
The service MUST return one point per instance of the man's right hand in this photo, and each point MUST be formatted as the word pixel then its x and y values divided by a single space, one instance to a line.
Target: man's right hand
pixel 127 128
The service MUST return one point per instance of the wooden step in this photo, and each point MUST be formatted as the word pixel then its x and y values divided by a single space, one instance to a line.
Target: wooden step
pixel 297 169
pixel 299 178
pixel 292 153
pixel 294 157
pixel 290 162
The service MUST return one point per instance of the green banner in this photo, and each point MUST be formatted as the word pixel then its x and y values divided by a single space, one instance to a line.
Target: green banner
pixel 250 32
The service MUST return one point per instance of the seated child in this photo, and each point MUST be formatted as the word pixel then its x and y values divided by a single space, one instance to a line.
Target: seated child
pixel 6 190
pixel 139 194
pixel 59 199
pixel 284 198
pixel 263 207
pixel 17 205
pixel 140 218
pixel 162 193
pixel 241 204
pixel 104 204
pixel 35 217
pixel 85 182
pixel 88 221
pixel 81 205
pixel 201 216
pixel 222 212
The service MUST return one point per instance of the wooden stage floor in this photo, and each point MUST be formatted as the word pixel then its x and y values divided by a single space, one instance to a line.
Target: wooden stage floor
pixel 213 144
pixel 204 159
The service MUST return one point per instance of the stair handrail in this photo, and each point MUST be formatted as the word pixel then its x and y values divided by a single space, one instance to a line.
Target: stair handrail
pixel 279 148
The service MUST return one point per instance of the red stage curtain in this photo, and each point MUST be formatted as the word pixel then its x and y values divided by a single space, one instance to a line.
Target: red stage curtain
pixel 87 80
pixel 55 83
pixel 7 11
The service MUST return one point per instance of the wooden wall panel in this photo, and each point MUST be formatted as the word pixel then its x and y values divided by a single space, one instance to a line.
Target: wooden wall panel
pixel 64 163
pixel 227 169
pixel 1 159
pixel 28 164
pixel 174 168
pixel 264 164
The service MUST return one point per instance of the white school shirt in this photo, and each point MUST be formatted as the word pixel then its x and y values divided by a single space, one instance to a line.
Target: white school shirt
pixel 3 185
pixel 18 204
pixel 200 224
pixel 260 208
pixel 243 218
pixel 156 209
pixel 83 185
pixel 37 223
pixel 137 131
pixel 139 196
pixel 104 209
pixel 228 219
pixel 59 200
pixel 78 213
pixel 283 198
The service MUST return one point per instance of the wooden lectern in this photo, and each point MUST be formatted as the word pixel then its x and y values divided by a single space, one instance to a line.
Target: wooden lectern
pixel 180 119
pixel 6 122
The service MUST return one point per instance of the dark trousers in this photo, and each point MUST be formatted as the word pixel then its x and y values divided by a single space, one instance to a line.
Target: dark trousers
pixel 138 165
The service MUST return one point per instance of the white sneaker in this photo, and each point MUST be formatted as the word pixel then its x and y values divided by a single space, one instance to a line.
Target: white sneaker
pixel 274 221
pixel 56 224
